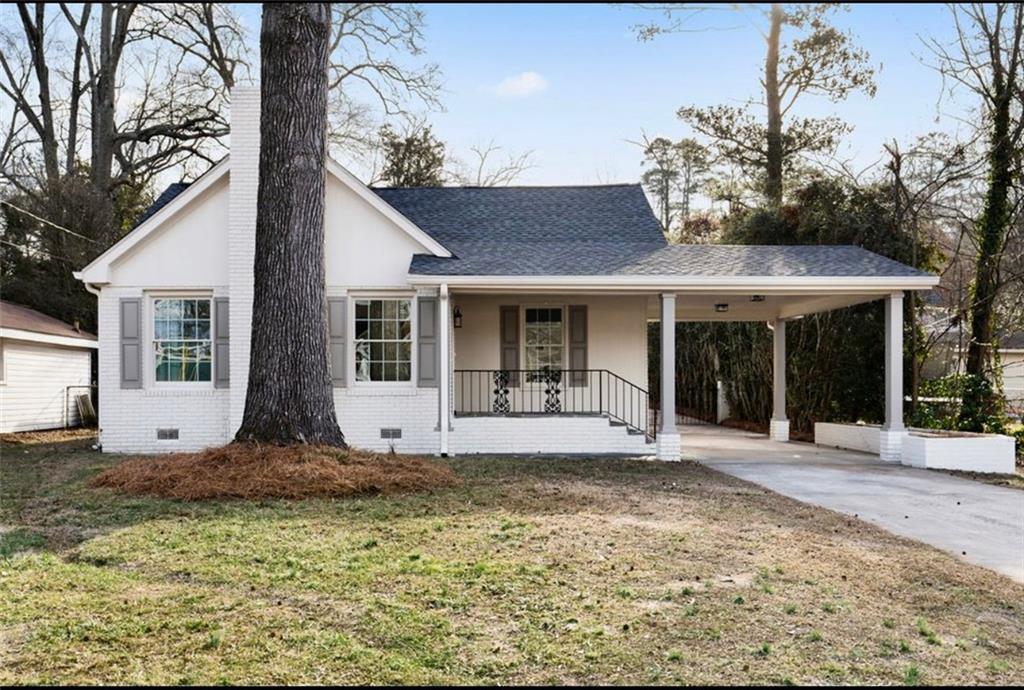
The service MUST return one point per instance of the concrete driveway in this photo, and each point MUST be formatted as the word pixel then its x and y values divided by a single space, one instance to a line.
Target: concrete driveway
pixel 977 522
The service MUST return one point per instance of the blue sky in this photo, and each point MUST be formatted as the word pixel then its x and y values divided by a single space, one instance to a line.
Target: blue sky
pixel 591 85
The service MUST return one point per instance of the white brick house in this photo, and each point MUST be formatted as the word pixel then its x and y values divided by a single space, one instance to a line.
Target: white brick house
pixel 461 320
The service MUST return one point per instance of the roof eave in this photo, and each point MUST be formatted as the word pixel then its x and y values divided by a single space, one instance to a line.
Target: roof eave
pixel 669 283
pixel 85 342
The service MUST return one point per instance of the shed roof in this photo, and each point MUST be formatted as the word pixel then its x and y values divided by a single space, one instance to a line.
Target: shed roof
pixel 21 318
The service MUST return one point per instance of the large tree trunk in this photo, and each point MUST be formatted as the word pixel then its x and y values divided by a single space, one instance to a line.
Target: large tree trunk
pixel 995 60
pixel 35 34
pixel 773 171
pixel 103 130
pixel 992 227
pixel 290 396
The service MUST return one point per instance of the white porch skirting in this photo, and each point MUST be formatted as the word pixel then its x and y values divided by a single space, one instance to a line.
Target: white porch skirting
pixel 533 434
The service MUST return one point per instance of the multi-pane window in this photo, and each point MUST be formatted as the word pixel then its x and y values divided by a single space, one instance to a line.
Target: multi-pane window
pixel 544 339
pixel 181 339
pixel 383 342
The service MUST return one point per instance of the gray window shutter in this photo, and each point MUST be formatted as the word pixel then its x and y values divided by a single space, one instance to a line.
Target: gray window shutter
pixel 509 341
pixel 427 350
pixel 578 343
pixel 337 328
pixel 131 342
pixel 221 344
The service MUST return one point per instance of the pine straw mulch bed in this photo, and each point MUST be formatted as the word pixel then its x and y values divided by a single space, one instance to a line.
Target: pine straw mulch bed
pixel 251 471
pixel 35 438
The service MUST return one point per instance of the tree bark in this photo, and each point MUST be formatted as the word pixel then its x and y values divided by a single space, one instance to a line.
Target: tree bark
pixel 35 35
pixel 290 394
pixel 991 232
pixel 773 163
pixel 102 136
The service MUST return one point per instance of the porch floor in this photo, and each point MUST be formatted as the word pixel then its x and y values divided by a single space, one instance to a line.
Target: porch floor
pixel 977 522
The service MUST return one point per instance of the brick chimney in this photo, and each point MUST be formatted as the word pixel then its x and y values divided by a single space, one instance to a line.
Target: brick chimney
pixel 244 186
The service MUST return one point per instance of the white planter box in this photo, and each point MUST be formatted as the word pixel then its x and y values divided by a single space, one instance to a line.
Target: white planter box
pixel 938 450
pixel 862 437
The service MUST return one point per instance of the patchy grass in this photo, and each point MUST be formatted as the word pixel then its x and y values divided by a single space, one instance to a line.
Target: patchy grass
pixel 532 571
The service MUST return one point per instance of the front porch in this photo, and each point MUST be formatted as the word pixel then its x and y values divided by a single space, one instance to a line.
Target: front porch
pixel 567 372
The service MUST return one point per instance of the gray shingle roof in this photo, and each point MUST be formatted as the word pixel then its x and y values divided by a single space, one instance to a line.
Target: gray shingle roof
pixel 592 231
pixel 166 197
pixel 606 258
pixel 602 213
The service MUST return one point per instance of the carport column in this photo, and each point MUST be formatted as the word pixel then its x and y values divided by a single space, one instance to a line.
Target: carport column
pixel 778 427
pixel 669 443
pixel 890 442
pixel 443 374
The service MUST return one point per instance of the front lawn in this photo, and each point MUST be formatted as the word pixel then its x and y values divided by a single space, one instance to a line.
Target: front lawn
pixel 532 571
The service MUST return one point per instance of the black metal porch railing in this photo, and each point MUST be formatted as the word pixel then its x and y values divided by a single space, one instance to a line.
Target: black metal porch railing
pixel 506 392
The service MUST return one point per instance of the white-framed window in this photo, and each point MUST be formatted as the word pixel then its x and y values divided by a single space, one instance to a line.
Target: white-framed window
pixel 383 340
pixel 182 340
pixel 543 339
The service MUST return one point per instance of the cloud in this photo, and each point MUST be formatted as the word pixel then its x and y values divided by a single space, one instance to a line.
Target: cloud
pixel 520 85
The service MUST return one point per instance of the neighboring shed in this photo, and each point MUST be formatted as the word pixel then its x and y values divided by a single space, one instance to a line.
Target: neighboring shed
pixel 44 363
pixel 1011 359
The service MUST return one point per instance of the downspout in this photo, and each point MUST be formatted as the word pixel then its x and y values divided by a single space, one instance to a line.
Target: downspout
pixel 99 429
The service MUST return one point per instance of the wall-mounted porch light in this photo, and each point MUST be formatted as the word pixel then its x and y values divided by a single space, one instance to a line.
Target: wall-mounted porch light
pixel 457 317
pixel 721 308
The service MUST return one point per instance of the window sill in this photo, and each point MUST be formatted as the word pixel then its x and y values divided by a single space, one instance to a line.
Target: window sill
pixel 369 390
pixel 174 392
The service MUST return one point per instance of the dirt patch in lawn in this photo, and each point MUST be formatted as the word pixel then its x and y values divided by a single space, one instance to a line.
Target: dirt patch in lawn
pixel 253 471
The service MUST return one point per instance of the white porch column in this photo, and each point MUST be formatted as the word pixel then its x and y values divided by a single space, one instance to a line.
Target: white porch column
pixel 669 443
pixel 444 373
pixel 893 431
pixel 778 427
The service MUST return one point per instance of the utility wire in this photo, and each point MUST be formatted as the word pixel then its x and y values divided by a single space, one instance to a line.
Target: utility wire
pixel 48 222
pixel 30 250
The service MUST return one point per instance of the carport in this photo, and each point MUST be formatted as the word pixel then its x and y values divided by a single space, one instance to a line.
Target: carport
pixel 775 285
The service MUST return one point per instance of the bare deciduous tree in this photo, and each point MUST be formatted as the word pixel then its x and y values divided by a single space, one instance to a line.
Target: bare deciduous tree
pixel 370 70
pixel 484 171
pixel 987 58
pixel 155 78
pixel 927 179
